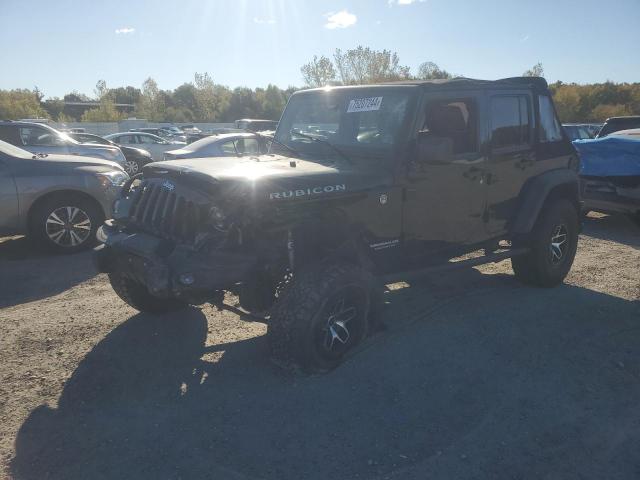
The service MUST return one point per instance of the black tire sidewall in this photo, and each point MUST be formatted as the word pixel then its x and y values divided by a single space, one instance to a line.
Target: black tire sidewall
pixel 136 295
pixel 305 338
pixel 538 267
pixel 295 317
pixel 37 222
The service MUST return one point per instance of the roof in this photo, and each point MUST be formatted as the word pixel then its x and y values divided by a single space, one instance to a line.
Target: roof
pixel 538 83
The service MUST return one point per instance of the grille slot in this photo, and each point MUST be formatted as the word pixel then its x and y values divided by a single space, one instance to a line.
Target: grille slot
pixel 173 214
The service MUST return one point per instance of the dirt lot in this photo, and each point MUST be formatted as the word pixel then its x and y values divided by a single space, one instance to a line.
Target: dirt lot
pixel 475 376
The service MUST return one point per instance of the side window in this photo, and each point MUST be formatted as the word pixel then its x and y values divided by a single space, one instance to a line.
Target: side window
pixel 455 119
pixel 125 139
pixel 550 130
pixel 510 124
pixel 38 137
pixel 144 139
pixel 11 135
pixel 229 148
pixel 249 146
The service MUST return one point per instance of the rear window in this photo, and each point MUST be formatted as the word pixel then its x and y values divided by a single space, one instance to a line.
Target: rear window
pixel 550 129
pixel 619 124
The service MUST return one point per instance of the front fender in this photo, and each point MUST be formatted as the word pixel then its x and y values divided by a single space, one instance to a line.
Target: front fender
pixel 535 193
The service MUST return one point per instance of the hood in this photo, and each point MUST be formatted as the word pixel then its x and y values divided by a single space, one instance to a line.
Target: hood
pixel 109 152
pixel 271 177
pixel 77 161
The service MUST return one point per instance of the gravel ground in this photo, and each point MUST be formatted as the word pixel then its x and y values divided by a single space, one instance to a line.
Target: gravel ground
pixel 475 376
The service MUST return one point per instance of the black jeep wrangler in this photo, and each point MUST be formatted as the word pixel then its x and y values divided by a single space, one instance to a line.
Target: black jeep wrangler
pixel 363 186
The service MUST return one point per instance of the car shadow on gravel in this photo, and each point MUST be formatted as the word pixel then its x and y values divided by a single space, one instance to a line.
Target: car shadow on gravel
pixel 493 381
pixel 27 274
pixel 616 228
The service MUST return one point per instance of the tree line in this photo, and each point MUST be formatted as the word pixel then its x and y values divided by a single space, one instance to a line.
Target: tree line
pixel 203 100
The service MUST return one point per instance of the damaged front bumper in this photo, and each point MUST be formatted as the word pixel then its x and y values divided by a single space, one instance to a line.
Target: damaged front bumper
pixel 611 194
pixel 168 270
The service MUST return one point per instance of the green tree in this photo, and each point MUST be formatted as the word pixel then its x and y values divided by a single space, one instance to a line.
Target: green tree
pixel 535 71
pixel 151 104
pixel 362 65
pixel 21 103
pixel 431 71
pixel 318 72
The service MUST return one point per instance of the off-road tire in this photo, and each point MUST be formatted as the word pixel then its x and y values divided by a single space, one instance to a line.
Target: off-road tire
pixel 136 295
pixel 539 267
pixel 38 217
pixel 298 317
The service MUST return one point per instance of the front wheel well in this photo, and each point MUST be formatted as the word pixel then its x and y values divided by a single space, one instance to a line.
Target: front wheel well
pixel 569 191
pixel 50 196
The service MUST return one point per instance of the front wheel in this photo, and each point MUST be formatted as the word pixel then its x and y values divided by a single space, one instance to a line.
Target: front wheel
pixel 553 243
pixel 65 223
pixel 132 166
pixel 136 295
pixel 323 315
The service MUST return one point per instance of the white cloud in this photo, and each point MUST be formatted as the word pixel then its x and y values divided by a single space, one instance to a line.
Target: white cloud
pixel 404 2
pixel 264 21
pixel 125 30
pixel 525 38
pixel 341 19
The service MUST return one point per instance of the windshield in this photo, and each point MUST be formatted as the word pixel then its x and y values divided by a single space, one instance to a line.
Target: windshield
pixel 14 151
pixel 355 119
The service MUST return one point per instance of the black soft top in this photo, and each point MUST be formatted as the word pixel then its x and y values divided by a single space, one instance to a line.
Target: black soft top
pixel 538 84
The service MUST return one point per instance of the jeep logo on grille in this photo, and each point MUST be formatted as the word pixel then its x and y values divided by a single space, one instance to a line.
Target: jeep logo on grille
pixel 168 185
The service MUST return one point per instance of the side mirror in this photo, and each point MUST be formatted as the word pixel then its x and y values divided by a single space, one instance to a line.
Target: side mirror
pixel 434 149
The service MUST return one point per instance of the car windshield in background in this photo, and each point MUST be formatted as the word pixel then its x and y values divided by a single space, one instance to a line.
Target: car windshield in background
pixel 350 119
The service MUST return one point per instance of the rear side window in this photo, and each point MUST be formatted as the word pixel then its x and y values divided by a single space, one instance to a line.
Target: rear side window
pixel 510 121
pixel 550 129
pixel 10 134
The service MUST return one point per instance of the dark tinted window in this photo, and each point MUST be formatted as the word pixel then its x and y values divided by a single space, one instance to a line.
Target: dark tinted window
pixel 510 121
pixel 10 134
pixel 619 124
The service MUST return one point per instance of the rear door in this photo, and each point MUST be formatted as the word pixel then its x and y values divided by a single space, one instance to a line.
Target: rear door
pixel 512 158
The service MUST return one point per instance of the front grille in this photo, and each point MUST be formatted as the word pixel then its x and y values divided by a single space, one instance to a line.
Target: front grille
pixel 174 214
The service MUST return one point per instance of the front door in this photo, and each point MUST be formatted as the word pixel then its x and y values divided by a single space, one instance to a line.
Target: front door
pixel 445 201
pixel 9 208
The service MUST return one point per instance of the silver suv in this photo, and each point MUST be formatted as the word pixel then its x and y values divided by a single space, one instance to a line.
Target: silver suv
pixel 40 138
pixel 57 200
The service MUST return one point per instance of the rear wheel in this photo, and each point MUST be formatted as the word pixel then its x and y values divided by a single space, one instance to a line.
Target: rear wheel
pixel 136 295
pixel 66 223
pixel 553 243
pixel 323 315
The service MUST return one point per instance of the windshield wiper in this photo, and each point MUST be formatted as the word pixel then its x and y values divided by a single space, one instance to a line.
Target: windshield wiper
pixel 273 139
pixel 326 142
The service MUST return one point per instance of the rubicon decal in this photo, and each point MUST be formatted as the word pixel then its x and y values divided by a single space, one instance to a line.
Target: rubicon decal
pixel 303 192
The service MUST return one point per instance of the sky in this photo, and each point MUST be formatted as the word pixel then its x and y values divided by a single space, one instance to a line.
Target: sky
pixel 65 45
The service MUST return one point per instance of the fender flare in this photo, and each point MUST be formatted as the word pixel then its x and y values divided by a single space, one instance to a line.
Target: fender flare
pixel 536 191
